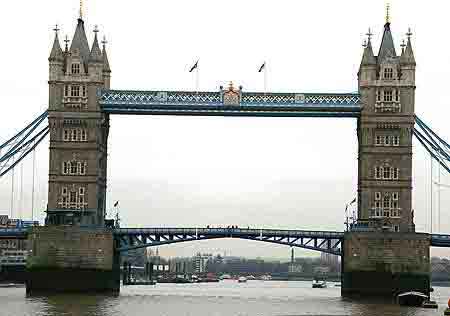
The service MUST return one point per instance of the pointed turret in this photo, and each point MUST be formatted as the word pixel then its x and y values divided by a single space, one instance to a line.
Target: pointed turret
pixel 96 53
pixel 368 57
pixel 56 54
pixel 80 41
pixel 408 54
pixel 387 47
pixel 106 67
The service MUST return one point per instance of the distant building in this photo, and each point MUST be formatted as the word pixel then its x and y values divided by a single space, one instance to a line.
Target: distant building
pixel 295 268
pixel 329 260
pixel 321 270
pixel 200 261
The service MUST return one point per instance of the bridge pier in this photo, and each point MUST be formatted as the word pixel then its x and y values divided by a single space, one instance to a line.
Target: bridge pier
pixel 72 259
pixel 385 263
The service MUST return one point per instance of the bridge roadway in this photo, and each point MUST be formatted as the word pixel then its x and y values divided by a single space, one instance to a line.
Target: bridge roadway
pixel 134 238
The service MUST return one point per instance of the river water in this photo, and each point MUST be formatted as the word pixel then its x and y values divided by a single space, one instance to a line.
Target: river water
pixel 227 298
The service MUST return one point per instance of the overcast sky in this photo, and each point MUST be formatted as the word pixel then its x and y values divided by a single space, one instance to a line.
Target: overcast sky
pixel 293 173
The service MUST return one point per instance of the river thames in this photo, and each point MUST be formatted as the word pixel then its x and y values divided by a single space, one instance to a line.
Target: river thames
pixel 227 298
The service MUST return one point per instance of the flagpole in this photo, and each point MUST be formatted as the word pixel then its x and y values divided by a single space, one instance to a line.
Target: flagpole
pixel 265 77
pixel 197 79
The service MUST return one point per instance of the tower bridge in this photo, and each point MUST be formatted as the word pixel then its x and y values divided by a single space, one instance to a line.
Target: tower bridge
pixel 75 244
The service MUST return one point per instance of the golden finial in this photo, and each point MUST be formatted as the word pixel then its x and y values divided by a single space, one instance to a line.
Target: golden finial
pixel 81 9
pixel 388 13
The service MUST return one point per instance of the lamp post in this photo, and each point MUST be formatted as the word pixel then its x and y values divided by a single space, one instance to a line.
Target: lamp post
pixel 346 213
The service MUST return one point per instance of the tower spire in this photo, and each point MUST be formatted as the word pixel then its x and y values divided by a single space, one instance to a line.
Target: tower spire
pixel 388 13
pixel 81 9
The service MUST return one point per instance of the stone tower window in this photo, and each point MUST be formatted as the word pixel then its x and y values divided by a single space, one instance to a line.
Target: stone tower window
pixel 73 167
pixel 75 91
pixel 378 95
pixel 387 95
pixel 66 90
pixel 396 140
pixel 378 172
pixel 394 172
pixel 388 73
pixel 397 96
pixel 75 68
pixel 378 140
pixel 386 173
pixel 65 167
pixel 83 135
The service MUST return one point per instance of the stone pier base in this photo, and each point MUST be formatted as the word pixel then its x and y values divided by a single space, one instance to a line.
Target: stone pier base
pixel 385 264
pixel 71 259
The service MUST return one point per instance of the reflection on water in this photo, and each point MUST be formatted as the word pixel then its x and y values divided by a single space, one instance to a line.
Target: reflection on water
pixel 254 298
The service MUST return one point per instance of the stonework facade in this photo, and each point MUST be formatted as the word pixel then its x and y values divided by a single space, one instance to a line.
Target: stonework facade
pixel 78 132
pixel 385 263
pixel 387 88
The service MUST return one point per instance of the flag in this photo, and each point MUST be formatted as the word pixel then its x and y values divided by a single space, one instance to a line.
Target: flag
pixel 195 66
pixel 117 203
pixel 262 67
pixel 354 200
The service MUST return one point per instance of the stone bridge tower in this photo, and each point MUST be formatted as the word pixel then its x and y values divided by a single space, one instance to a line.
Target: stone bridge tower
pixel 78 131
pixel 387 87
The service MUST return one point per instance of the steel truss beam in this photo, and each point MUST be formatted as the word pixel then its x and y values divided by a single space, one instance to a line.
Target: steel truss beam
pixel 439 240
pixel 134 238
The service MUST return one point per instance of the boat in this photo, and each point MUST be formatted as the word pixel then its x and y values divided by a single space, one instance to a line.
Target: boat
pixel 266 277
pixel 242 279
pixel 225 277
pixel 319 284
pixel 337 284
pixel 411 298
pixel 429 304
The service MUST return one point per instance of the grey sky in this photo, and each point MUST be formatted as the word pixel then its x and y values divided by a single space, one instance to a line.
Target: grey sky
pixel 188 171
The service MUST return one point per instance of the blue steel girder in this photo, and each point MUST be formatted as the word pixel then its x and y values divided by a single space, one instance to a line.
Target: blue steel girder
pixel 218 104
pixel 134 238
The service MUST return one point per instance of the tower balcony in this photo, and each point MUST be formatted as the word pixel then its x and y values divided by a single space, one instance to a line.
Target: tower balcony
pixel 388 107
pixel 390 212
pixel 75 102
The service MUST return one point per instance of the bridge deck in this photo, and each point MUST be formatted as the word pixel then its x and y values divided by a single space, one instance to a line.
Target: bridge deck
pixel 133 238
